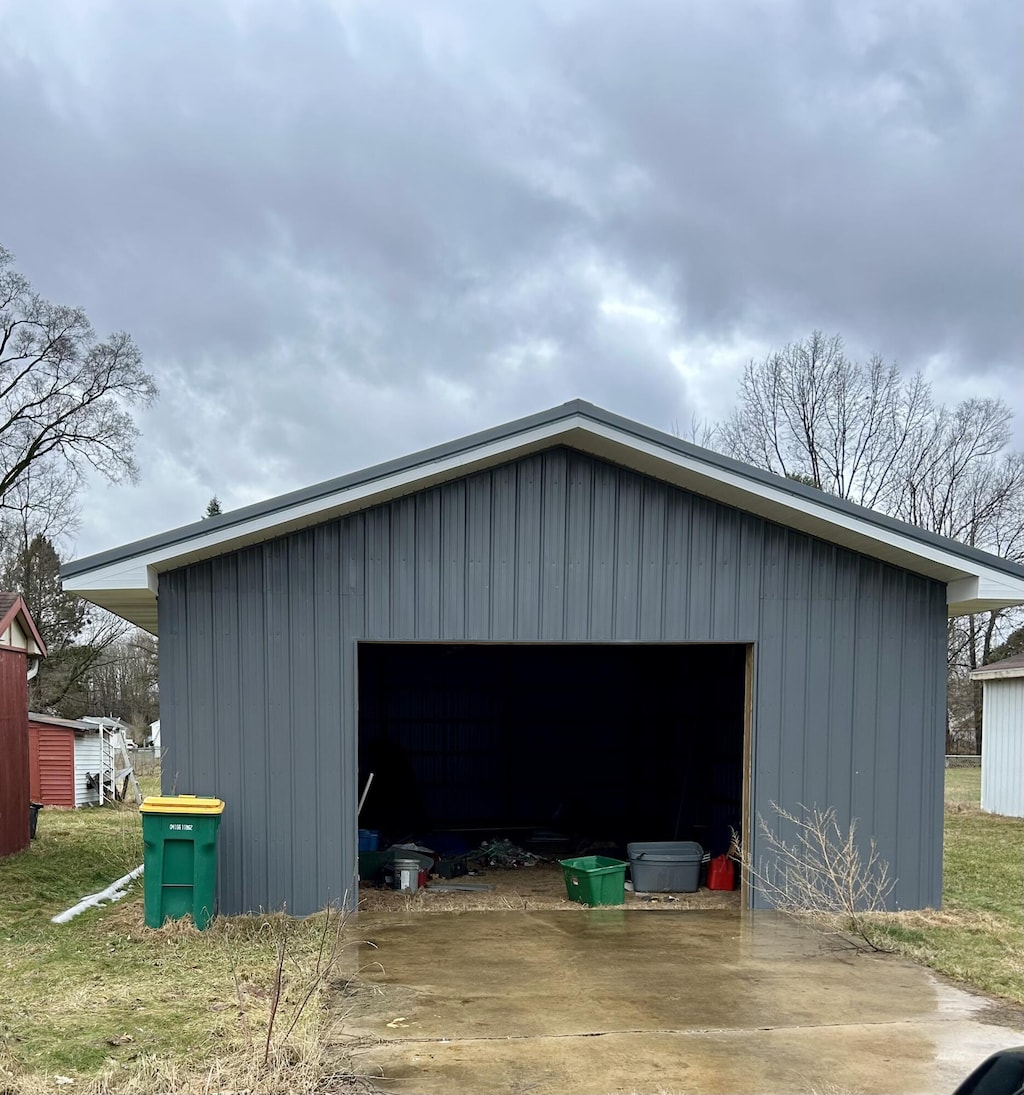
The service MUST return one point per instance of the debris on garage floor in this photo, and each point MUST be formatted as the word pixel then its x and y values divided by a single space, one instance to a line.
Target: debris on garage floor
pixel 540 887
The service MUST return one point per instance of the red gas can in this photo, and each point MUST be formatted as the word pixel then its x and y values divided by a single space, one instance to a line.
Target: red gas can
pixel 721 873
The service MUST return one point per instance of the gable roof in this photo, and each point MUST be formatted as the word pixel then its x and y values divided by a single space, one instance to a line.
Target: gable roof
pixel 124 580
pixel 18 630
pixel 1008 667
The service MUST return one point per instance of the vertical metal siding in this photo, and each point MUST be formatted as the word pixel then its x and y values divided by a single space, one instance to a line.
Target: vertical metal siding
pixel 258 654
pixel 1002 752
pixel 88 761
pixel 14 752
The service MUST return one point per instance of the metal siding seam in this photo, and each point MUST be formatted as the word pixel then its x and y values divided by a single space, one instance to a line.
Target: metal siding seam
pixel 937 720
pixel 279 776
pixel 674 568
pixel 351 624
pixel 626 620
pixel 224 734
pixel 768 744
pixel 554 545
pixel 528 564
pixel 427 564
pixel 749 594
pixel 842 691
pixel 913 734
pixel 602 581
pixel 302 720
pixel 378 567
pixel 865 670
pixel 199 657
pixel 253 722
pixel 452 570
pixel 301 716
pixel 723 583
pixel 651 596
pixel 403 583
pixel 478 555
pixel 172 680
pixel 892 678
pixel 818 673
pixel 698 594
pixel 793 726
pixel 503 551
pixel 579 506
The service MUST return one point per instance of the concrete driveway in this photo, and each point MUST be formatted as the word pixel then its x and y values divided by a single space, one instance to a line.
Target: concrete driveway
pixel 651 1001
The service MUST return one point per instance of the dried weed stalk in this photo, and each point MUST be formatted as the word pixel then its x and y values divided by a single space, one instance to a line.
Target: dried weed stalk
pixel 283 1050
pixel 821 872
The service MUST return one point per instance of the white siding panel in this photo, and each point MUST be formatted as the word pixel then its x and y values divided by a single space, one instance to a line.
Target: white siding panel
pixel 87 760
pixel 1002 751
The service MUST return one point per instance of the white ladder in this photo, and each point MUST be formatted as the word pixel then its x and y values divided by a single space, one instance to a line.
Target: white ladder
pixel 122 772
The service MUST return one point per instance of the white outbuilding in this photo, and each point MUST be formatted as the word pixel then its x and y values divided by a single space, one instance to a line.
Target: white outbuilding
pixel 1002 753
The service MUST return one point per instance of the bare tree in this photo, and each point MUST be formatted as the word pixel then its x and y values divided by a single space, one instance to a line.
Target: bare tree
pixel 809 412
pixel 43 502
pixel 123 680
pixel 869 434
pixel 65 396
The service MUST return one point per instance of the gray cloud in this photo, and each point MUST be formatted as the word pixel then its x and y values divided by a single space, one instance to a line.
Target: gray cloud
pixel 342 232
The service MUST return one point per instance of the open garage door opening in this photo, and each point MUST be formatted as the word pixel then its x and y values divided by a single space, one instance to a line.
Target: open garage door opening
pixel 586 746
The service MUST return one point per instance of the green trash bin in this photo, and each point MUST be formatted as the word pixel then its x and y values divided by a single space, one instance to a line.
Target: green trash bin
pixel 180 836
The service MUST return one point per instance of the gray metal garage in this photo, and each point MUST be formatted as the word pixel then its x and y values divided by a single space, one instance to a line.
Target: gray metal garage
pixel 570 620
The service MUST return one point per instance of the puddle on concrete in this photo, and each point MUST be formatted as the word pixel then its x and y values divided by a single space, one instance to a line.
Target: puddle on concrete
pixel 616 1000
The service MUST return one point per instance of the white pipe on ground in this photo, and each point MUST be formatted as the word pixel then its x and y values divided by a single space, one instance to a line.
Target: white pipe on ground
pixel 114 892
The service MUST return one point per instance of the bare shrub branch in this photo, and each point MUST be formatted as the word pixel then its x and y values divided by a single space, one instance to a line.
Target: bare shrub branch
pixel 820 872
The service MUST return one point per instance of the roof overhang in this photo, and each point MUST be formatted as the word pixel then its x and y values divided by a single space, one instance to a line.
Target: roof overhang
pixel 125 580
pixel 997 672
pixel 53 720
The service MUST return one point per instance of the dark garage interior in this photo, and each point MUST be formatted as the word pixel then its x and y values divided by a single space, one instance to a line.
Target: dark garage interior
pixel 599 744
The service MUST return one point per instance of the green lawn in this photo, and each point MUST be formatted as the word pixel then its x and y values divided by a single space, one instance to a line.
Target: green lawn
pixel 978 935
pixel 114 1006
pixel 963 786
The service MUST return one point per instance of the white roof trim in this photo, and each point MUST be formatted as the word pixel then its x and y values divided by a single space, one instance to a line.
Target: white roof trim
pixel 127 585
pixel 997 674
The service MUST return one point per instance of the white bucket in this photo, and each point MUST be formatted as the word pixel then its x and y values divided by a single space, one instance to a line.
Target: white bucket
pixel 407 875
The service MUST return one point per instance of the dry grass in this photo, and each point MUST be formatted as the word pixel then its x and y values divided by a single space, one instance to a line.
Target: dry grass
pixel 116 1007
pixel 110 1005
pixel 539 887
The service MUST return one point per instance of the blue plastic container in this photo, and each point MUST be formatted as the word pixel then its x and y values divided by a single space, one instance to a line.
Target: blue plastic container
pixel 369 839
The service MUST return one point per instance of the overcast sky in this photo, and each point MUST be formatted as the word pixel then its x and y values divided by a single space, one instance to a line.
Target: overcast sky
pixel 340 232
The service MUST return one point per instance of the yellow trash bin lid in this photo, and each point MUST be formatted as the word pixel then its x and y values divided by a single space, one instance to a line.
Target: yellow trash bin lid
pixel 181 804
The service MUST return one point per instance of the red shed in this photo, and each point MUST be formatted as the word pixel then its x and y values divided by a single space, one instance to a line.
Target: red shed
pixel 20 649
pixel 51 758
